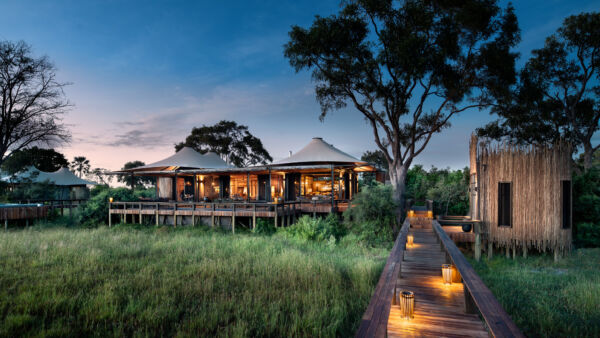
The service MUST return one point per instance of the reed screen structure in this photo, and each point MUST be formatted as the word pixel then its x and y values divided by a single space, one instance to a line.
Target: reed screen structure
pixel 522 195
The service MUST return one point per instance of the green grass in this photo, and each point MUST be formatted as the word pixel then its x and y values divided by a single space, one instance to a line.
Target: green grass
pixel 137 281
pixel 547 299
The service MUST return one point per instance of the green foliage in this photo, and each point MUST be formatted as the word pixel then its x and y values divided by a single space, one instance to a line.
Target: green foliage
pixel 316 229
pixel 586 208
pixel 42 159
pixel 148 281
pixel 137 180
pixel 548 299
pixel 449 189
pixel 95 211
pixel 228 139
pixel 372 217
pixel 588 235
pixel 265 226
pixel 33 191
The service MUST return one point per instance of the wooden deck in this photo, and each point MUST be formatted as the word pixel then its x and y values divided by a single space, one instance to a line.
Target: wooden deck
pixel 439 308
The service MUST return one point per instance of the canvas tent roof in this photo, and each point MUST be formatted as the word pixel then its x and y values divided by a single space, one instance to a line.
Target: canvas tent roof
pixel 186 158
pixel 319 151
pixel 62 177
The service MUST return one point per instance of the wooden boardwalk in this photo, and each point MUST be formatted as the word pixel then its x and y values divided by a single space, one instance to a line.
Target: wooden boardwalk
pixel 439 308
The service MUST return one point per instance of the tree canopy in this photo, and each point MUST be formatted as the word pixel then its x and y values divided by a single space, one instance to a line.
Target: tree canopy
pixel 32 101
pixel 233 142
pixel 80 165
pixel 557 95
pixel 408 66
pixel 47 160
pixel 137 180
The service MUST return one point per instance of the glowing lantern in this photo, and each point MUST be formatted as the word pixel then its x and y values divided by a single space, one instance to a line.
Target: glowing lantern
pixel 410 239
pixel 447 273
pixel 429 214
pixel 110 200
pixel 407 305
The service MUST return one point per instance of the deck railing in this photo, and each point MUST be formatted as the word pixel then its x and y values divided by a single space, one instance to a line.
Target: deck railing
pixel 478 298
pixel 375 319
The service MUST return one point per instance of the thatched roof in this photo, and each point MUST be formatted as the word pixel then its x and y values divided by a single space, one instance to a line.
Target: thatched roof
pixel 319 151
pixel 186 158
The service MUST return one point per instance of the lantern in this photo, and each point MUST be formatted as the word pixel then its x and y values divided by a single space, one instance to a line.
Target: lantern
pixel 110 200
pixel 407 305
pixel 410 239
pixel 447 273
pixel 429 214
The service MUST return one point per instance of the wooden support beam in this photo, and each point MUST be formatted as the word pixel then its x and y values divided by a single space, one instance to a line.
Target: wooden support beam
pixel 156 213
pixel 233 218
pixel 6 225
pixel 490 250
pixel 477 230
pixel 140 210
pixel 212 216
pixel 514 252
pixel 254 217
pixel 524 250
pixel 276 216
pixel 194 209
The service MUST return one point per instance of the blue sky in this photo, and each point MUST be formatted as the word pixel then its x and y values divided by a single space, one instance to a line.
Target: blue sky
pixel 143 73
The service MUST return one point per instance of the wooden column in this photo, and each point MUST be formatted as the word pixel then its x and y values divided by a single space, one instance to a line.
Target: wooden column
pixel 175 215
pixel 254 217
pixel 276 216
pixel 490 250
pixel 477 230
pixel 6 225
pixel 524 250
pixel 212 216
pixel 332 185
pixel 109 215
pixel 233 218
pixel 268 194
pixel 140 210
pixel 248 186
pixel 156 213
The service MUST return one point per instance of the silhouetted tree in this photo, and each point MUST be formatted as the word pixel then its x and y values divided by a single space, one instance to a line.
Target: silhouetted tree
pixel 137 180
pixel 558 92
pixel 233 142
pixel 80 165
pixel 408 67
pixel 32 101
pixel 42 159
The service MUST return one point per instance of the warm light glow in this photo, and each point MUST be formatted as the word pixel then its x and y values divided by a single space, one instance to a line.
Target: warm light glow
pixel 110 199
pixel 411 213
pixel 410 239
pixel 447 273
pixel 407 304
pixel 429 214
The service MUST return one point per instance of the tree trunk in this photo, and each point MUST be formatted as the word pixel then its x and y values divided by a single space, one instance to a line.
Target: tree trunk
pixel 588 152
pixel 398 181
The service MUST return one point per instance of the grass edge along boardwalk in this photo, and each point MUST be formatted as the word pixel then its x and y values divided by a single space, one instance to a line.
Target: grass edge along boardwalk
pixel 59 281
pixel 441 313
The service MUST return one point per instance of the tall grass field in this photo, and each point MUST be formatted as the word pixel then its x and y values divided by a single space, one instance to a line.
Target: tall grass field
pixel 136 281
pixel 548 299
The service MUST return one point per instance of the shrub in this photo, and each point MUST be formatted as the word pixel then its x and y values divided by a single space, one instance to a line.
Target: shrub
pixel 316 229
pixel 373 215
pixel 95 211
pixel 264 226
pixel 588 235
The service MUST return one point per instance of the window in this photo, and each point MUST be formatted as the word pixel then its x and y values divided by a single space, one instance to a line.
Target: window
pixel 504 204
pixel 566 204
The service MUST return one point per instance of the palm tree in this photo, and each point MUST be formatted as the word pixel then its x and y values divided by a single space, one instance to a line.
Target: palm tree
pixel 80 165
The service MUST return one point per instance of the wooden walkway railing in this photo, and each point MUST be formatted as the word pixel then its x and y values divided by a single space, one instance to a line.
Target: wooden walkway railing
pixel 374 321
pixel 439 314
pixel 478 297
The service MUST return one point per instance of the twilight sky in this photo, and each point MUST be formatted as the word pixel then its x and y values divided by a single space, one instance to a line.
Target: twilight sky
pixel 143 73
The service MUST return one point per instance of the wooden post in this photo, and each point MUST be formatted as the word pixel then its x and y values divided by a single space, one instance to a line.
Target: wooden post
pixel 254 216
pixel 514 250
pixel 6 225
pixel 469 304
pixel 524 250
pixel 294 211
pixel 140 210
pixel 194 209
pixel 156 212
pixel 477 229
pixel 248 186
pixel 288 215
pixel 556 254
pixel 332 185
pixel 175 215
pixel 212 216
pixel 314 209
pixel 233 218
pixel 507 252
pixel 490 250
pixel 276 216
pixel 109 214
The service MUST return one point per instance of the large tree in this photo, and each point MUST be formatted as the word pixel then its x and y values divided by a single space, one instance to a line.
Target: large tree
pixel 558 92
pixel 233 142
pixel 32 101
pixel 43 159
pixel 80 165
pixel 137 180
pixel 408 67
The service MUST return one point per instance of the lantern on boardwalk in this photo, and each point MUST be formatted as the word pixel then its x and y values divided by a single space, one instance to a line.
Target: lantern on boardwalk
pixel 407 305
pixel 410 239
pixel 447 273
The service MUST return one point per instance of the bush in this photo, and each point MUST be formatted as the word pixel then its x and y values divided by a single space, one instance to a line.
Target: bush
pixel 588 235
pixel 373 215
pixel 316 229
pixel 264 226
pixel 95 211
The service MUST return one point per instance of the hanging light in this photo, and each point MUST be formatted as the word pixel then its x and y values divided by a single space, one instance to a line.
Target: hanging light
pixel 447 273
pixel 407 305
pixel 410 239
pixel 110 200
